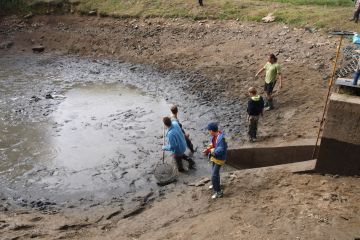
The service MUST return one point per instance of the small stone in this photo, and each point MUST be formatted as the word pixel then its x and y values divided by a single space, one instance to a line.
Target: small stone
pixel 269 18
pixel 38 49
pixel 76 226
pixel 200 183
pixel 323 182
pixel 92 13
pixel 6 44
pixel 95 71
pixel 35 99
pixel 310 29
pixel 28 16
pixel 134 212
pixel 113 214
pixel 3 208
pixel 22 227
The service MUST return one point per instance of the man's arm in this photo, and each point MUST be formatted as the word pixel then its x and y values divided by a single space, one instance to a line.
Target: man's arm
pixel 166 148
pixel 260 71
pixel 279 75
pixel 170 146
pixel 220 148
pixel 280 80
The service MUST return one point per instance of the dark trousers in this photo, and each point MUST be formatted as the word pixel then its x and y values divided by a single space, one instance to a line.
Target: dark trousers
pixel 253 125
pixel 356 77
pixel 178 160
pixel 189 144
pixel 356 15
pixel 201 2
pixel 215 177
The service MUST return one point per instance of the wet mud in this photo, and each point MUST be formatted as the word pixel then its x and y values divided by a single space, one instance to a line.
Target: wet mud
pixel 84 132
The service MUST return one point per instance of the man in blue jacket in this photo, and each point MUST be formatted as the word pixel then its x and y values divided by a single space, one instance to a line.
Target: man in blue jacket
pixel 216 151
pixel 176 144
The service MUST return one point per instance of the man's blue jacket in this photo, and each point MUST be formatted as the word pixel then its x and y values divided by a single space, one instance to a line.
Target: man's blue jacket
pixel 219 151
pixel 176 140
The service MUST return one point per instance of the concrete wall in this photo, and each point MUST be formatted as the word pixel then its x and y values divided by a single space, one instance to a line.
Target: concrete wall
pixel 340 144
pixel 262 157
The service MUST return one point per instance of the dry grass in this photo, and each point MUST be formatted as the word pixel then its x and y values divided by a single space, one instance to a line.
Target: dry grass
pixel 326 14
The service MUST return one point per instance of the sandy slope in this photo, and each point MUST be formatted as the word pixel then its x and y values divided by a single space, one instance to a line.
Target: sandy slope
pixel 258 204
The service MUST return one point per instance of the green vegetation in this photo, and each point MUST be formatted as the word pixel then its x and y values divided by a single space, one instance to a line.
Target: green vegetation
pixel 344 3
pixel 315 13
pixel 12 6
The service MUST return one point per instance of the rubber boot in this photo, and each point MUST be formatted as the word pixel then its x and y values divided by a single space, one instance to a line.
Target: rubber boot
pixel 189 144
pixel 270 105
pixel 191 162
pixel 356 77
pixel 266 102
pixel 179 164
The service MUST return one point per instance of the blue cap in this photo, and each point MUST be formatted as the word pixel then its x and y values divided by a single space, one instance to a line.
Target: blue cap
pixel 213 127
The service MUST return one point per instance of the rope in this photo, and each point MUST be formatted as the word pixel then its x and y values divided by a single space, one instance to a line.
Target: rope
pixel 328 94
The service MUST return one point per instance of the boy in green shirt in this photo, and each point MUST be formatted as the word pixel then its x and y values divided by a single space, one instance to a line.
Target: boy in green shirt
pixel 272 71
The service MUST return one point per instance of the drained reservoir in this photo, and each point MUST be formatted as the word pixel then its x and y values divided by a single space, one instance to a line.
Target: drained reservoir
pixel 81 130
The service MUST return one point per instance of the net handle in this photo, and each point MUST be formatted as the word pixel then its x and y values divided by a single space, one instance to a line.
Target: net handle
pixel 163 155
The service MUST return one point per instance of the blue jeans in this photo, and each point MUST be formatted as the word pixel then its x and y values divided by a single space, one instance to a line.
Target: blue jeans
pixel 356 77
pixel 215 177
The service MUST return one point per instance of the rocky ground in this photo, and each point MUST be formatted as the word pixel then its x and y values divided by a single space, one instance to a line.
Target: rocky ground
pixel 218 60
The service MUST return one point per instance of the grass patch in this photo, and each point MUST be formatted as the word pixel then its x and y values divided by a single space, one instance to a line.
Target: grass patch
pixel 327 14
pixel 12 6
pixel 318 13
pixel 343 3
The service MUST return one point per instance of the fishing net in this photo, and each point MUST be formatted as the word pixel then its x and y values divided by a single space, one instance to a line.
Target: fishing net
pixel 165 173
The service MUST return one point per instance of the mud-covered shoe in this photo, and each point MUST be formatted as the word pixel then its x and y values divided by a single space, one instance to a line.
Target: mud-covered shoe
pixel 217 195
pixel 192 166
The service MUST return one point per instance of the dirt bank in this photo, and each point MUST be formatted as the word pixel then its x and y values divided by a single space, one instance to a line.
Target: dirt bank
pixel 258 204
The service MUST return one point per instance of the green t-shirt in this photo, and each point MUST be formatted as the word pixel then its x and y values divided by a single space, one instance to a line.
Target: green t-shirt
pixel 272 70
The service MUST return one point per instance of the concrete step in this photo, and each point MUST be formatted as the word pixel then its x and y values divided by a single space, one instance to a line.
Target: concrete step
pixel 304 166
pixel 346 82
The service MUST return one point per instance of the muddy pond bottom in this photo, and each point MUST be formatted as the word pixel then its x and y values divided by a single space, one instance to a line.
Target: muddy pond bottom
pixel 101 138
pixel 106 124
pixel 77 132
pixel 109 127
